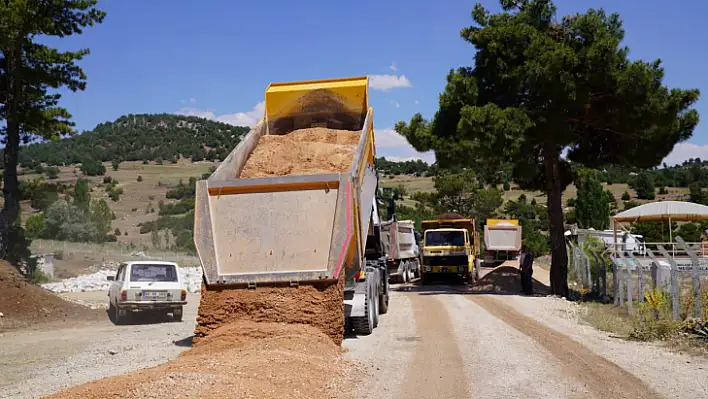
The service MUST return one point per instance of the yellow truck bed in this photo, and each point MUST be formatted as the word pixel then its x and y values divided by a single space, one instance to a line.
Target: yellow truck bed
pixel 290 229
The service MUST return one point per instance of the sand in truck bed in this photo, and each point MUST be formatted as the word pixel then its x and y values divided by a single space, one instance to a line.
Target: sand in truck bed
pixel 301 152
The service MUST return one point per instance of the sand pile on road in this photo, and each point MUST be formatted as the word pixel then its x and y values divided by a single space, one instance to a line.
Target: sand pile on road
pixel 322 307
pixel 303 152
pixel 23 303
pixel 239 360
pixel 506 280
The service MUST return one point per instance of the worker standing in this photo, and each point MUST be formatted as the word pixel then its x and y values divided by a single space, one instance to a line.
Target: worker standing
pixel 526 269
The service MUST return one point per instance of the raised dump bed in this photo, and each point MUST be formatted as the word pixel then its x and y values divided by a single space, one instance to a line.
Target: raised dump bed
pixel 292 204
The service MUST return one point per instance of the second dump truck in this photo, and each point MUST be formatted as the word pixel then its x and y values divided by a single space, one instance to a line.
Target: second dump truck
pixel 502 240
pixel 401 250
pixel 298 230
pixel 450 249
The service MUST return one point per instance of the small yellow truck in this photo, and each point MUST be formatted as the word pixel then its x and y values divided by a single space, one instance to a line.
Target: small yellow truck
pixel 450 248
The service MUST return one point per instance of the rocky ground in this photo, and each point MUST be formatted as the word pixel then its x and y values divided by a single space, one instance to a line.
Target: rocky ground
pixel 437 341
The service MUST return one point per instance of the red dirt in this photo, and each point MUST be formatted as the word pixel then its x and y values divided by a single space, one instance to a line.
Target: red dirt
pixel 322 308
pixel 239 360
pixel 24 304
pixel 303 152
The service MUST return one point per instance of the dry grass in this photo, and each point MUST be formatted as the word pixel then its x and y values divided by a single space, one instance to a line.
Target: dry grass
pixel 131 209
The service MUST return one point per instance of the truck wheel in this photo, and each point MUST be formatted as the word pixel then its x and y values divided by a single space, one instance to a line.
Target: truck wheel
pixel 365 325
pixel 177 314
pixel 383 298
pixel 375 296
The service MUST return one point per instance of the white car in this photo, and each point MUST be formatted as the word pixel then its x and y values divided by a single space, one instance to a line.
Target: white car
pixel 146 286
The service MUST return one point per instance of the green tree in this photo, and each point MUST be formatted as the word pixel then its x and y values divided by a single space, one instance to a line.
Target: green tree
pixel 101 219
pixel 644 186
pixel 92 167
pixel 541 86
pixel 34 228
pixel 82 195
pixel 696 193
pixel 30 72
pixel 592 205
pixel 115 163
pixel 625 196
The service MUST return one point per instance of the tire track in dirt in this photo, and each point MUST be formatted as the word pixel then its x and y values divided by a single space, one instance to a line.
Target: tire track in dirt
pixel 603 377
pixel 437 369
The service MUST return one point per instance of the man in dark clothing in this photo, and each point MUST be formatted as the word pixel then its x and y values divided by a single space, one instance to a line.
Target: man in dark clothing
pixel 526 269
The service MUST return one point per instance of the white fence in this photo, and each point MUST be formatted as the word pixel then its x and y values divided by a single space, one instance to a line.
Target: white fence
pixel 681 271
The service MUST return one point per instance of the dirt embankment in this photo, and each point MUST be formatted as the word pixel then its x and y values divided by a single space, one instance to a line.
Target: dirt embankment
pixel 301 152
pixel 24 304
pixel 239 360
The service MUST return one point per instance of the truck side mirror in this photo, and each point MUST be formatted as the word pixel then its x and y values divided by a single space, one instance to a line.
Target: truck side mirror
pixel 111 278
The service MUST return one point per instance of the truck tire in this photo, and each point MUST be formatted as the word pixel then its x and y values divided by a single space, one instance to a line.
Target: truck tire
pixel 365 325
pixel 375 296
pixel 383 298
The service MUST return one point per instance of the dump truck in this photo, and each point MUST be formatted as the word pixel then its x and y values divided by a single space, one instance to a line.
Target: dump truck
pixel 401 250
pixel 502 241
pixel 298 230
pixel 450 249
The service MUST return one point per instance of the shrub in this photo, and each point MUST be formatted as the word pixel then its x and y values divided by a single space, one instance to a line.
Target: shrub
pixel 140 178
pixel 91 167
pixel 625 196
pixel 107 179
pixel 52 172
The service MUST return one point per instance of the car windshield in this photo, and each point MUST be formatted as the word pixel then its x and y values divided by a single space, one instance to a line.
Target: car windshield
pixel 150 272
pixel 439 238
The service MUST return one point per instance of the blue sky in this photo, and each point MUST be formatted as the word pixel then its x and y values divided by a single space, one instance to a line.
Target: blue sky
pixel 215 58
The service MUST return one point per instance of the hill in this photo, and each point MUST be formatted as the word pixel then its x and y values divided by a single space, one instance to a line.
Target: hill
pixel 160 137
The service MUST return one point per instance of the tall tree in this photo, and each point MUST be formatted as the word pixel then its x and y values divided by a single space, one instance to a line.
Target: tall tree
pixel 29 70
pixel 541 86
pixel 592 208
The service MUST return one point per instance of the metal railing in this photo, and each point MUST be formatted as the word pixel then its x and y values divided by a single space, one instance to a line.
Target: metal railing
pixel 678 269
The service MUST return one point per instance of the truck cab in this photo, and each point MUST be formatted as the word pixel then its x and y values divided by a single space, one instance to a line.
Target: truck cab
pixel 449 249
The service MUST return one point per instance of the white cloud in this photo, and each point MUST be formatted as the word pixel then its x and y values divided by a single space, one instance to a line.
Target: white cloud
pixel 396 104
pixel 395 147
pixel 684 151
pixel 388 82
pixel 192 111
pixel 417 102
pixel 248 119
pixel 393 67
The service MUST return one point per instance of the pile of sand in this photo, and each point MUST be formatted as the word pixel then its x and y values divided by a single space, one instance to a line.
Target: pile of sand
pixel 322 307
pixel 303 152
pixel 505 280
pixel 23 303
pixel 239 360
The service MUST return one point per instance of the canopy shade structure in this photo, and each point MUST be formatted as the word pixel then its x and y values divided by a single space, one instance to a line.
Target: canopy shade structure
pixel 679 211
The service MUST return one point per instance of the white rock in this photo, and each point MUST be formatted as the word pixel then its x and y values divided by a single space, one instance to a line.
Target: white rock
pixel 191 276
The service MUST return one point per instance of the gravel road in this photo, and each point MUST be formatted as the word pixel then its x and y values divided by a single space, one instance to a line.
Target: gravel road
pixel 34 363
pixel 436 342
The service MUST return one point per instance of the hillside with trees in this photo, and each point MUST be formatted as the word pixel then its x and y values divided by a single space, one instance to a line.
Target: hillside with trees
pixel 146 137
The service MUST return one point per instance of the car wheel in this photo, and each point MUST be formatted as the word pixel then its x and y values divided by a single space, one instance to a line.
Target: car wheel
pixel 117 318
pixel 177 314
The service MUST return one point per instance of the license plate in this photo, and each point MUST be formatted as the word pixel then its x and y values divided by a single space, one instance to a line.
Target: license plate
pixel 444 270
pixel 152 294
